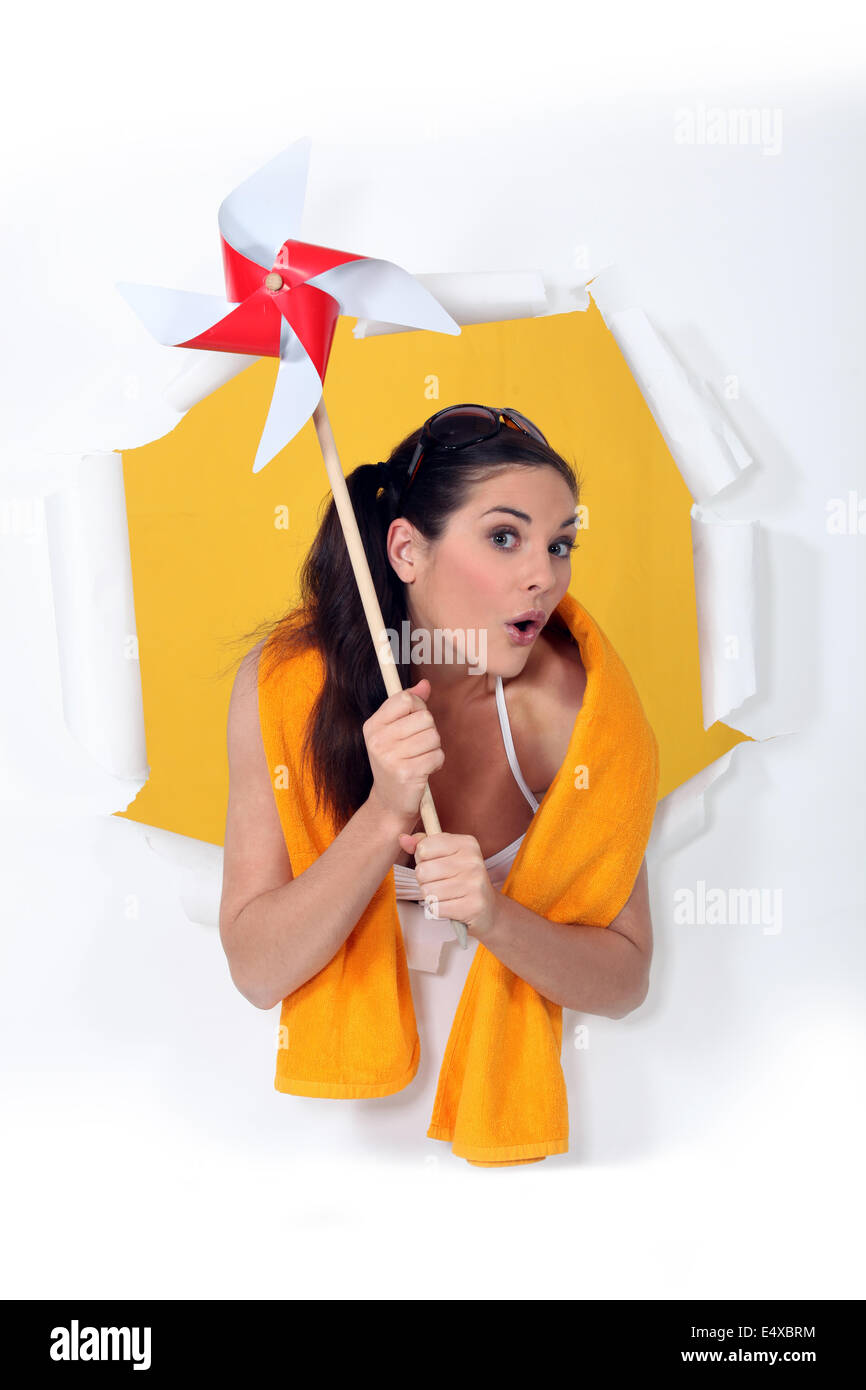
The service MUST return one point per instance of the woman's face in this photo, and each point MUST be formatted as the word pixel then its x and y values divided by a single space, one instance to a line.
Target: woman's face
pixel 505 552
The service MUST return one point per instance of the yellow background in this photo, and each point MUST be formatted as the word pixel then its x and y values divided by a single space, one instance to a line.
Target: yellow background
pixel 209 562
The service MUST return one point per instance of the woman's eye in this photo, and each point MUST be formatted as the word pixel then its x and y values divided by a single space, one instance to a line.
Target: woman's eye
pixel 566 545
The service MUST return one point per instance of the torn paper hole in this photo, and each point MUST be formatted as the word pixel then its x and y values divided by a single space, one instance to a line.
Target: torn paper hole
pixel 105 713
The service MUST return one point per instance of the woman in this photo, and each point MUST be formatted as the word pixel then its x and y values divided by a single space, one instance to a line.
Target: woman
pixel 468 527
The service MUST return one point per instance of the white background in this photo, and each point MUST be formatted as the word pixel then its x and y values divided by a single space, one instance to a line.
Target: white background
pixel 717 1134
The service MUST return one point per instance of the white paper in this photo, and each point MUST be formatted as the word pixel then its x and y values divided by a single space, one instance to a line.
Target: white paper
pixel 124 406
pixel 198 866
pixel 97 643
pixel 68 621
pixel 705 447
pixel 725 571
pixel 682 814
pixel 203 373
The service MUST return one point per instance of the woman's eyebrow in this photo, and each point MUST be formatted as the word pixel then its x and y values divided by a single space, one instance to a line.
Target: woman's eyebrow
pixel 524 516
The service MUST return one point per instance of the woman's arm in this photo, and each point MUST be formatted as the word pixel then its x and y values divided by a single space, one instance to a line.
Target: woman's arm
pixel 595 970
pixel 278 931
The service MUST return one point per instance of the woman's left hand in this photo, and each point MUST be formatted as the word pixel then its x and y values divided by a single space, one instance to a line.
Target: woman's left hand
pixel 454 878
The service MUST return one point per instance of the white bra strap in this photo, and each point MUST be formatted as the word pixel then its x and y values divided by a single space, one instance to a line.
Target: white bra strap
pixel 509 745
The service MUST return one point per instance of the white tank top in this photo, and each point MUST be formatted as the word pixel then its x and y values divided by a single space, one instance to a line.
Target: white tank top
pixel 426 936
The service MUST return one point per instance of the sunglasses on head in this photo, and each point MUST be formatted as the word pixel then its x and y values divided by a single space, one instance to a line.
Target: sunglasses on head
pixel 457 426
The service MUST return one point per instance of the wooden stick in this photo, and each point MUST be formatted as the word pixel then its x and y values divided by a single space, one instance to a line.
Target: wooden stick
pixel 369 599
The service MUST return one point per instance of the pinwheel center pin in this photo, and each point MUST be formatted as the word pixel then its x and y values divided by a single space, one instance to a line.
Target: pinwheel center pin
pixel 273 281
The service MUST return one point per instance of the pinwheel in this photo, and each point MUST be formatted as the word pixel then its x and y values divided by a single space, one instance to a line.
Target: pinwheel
pixel 283 297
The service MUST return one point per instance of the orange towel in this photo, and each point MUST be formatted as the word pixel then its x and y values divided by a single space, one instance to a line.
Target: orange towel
pixel 351 1031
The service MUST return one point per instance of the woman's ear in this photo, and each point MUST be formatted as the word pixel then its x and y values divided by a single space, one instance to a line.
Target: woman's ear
pixel 400 546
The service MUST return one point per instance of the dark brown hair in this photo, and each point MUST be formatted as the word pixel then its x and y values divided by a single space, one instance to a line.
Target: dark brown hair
pixel 330 615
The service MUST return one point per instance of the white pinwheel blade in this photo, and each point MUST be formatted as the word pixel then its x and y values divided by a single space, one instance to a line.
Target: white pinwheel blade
pixel 174 316
pixel 263 211
pixel 297 392
pixel 374 289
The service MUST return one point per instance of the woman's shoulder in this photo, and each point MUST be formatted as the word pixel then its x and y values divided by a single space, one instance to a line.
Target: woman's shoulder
pixel 274 688
pixel 244 737
pixel 246 676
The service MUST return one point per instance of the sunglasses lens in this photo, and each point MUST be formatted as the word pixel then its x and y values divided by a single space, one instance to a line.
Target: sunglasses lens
pixel 527 425
pixel 463 424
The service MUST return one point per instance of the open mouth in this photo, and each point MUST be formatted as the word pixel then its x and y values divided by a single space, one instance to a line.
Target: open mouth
pixel 526 628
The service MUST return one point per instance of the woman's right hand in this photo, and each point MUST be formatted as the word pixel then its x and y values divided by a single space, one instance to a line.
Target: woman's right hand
pixel 404 748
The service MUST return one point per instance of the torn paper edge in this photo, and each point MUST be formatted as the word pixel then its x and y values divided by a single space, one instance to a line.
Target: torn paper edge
pixel 703 444
pixel 724 556
pixel 87 532
pixel 76 505
pixel 198 868
pixel 709 456
pixel 682 815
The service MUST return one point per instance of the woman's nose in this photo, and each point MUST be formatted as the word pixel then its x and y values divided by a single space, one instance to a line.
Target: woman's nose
pixel 540 573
